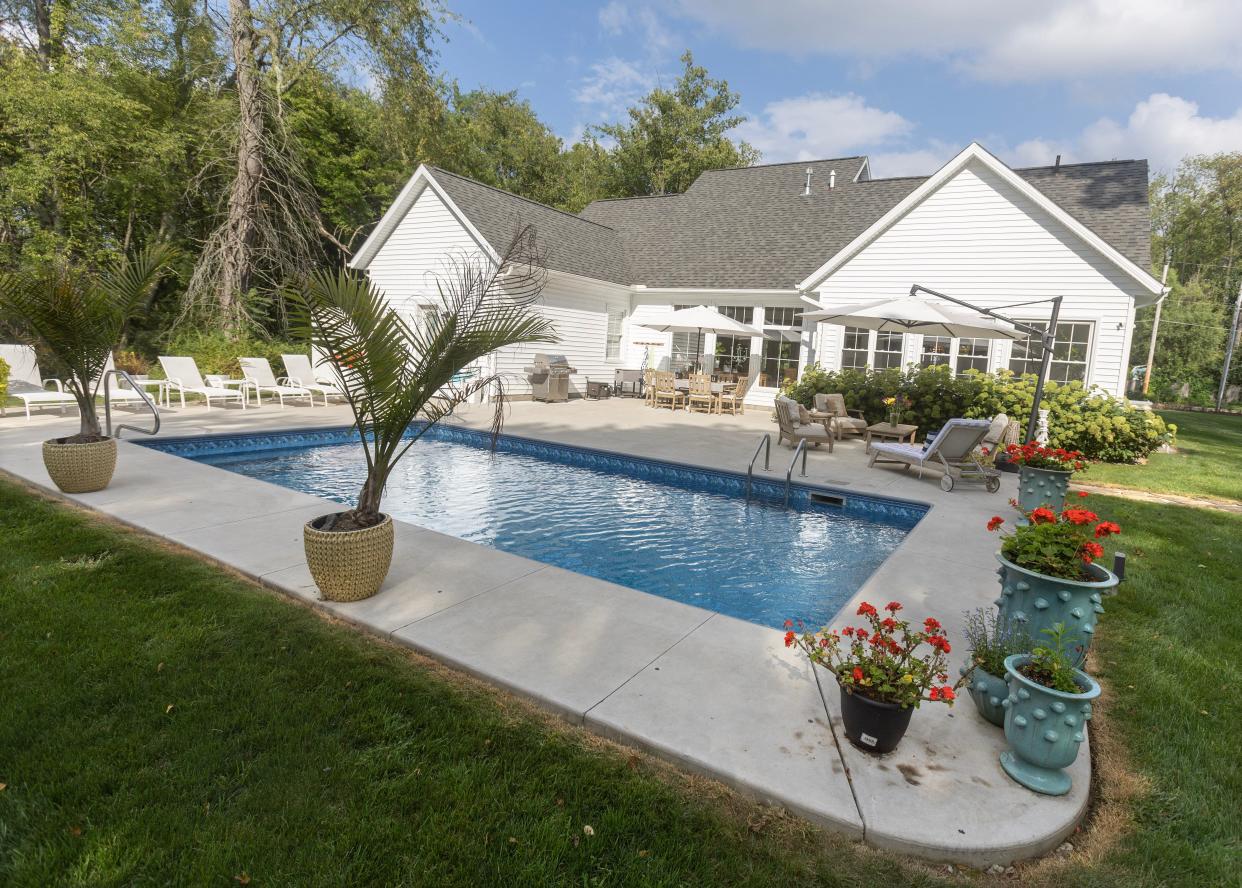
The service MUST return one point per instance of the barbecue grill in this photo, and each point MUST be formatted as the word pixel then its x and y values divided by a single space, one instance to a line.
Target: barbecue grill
pixel 549 377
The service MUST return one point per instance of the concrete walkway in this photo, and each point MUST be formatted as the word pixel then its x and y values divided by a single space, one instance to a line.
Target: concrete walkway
pixel 717 695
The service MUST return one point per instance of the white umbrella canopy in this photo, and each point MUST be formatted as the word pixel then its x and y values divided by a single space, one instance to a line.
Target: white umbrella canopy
pixel 908 314
pixel 700 319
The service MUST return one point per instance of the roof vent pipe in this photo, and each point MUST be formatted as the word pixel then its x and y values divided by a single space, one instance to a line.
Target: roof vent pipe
pixel 807 190
pixel 832 178
pixel 1056 168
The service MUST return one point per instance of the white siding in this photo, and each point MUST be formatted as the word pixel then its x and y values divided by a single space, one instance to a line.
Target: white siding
pixel 578 308
pixel 417 252
pixel 979 239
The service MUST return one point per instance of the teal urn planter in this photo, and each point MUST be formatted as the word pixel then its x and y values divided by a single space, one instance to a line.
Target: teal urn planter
pixel 1042 487
pixel 1038 602
pixel 988 693
pixel 1044 728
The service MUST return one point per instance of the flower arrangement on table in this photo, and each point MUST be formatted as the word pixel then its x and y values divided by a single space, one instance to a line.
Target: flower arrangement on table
pixel 882 660
pixel 1037 456
pixel 1056 544
pixel 897 406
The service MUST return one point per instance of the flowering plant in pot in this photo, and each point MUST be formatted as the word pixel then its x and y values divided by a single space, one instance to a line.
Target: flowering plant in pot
pixel 884 670
pixel 399 381
pixel 1050 573
pixel 1043 473
pixel 897 406
pixel 991 640
pixel 1046 713
pixel 77 317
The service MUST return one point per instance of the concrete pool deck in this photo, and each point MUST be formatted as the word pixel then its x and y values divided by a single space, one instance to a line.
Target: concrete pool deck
pixel 714 694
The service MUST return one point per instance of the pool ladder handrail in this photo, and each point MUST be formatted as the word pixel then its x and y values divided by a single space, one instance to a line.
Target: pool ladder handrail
pixel 765 444
pixel 155 412
pixel 801 448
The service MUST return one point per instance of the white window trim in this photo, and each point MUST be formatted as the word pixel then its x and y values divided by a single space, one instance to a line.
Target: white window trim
pixel 609 313
pixel 954 344
pixel 871 341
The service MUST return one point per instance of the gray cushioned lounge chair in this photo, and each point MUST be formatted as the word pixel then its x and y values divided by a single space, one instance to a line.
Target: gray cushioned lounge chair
pixel 952 451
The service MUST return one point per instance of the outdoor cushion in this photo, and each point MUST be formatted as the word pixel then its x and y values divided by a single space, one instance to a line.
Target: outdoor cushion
pixel 791 406
pixel 997 430
pixel 804 416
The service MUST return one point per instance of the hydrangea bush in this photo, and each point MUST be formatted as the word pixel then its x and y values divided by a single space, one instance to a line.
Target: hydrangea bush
pixel 1085 419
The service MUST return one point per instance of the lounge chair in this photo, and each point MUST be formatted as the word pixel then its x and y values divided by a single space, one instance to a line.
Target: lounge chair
pixel 260 378
pixel 28 384
pixel 701 396
pixel 183 377
pixel 952 451
pixel 793 430
pixel 119 394
pixel 666 391
pixel 845 420
pixel 301 373
pixel 733 400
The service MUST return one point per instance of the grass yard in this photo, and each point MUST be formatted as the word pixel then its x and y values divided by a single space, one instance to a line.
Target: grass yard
pixel 166 722
pixel 1209 447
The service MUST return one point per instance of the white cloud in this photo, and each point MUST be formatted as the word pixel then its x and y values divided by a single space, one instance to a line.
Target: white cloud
pixel 613 85
pixel 994 40
pixel 614 17
pixel 1164 129
pixel 816 125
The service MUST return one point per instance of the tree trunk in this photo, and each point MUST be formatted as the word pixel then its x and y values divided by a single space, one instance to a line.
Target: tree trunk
pixel 43 31
pixel 241 231
pixel 368 510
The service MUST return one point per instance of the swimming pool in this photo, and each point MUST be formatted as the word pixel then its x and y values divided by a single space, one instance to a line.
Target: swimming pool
pixel 680 532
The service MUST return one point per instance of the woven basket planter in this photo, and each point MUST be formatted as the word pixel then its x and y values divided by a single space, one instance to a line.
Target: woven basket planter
pixel 80 468
pixel 348 565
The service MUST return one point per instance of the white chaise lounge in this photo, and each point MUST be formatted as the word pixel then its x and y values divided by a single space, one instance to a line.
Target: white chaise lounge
pixel 301 373
pixel 183 377
pixel 27 383
pixel 259 376
pixel 951 451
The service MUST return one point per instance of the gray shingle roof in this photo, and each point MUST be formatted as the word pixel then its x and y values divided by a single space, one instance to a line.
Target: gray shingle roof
pixel 572 243
pixel 752 228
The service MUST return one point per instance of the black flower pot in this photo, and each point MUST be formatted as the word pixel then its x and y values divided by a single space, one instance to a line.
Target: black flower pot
pixel 873 726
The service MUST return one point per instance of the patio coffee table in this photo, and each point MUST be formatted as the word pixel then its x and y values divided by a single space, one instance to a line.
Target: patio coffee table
pixel 885 431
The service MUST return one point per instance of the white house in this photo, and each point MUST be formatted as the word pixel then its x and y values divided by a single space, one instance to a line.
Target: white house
pixel 764 243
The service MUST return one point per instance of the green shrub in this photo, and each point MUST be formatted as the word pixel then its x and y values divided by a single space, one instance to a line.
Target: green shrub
pixel 4 381
pixel 1079 418
pixel 214 352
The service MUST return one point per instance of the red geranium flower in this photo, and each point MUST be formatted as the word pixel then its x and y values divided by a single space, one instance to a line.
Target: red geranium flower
pixel 893 606
pixel 1106 528
pixel 946 693
pixel 995 521
pixel 847 631
pixel 788 624
pixel 1043 515
pixel 1079 516
pixel 931 624
pixel 789 639
pixel 866 610
pixel 1082 493
pixel 889 623
pixel 858 674
pixel 933 694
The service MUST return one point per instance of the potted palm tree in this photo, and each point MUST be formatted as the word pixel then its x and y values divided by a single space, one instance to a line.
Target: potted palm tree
pixel 401 379
pixel 77 317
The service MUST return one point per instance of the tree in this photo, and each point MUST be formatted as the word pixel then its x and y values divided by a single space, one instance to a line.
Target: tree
pixel 674 135
pixel 1190 344
pixel 1197 220
pixel 269 227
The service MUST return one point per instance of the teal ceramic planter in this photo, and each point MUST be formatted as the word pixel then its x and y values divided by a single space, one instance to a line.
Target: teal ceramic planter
pixel 987 692
pixel 1044 728
pixel 1042 487
pixel 1038 602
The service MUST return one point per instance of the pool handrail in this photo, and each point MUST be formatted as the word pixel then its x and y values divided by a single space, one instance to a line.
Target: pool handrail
pixel 765 443
pixel 801 448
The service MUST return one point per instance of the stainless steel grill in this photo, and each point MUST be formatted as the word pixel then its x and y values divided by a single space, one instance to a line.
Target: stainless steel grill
pixel 549 377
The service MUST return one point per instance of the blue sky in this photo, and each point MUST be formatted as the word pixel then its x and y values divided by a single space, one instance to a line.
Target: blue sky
pixel 909 83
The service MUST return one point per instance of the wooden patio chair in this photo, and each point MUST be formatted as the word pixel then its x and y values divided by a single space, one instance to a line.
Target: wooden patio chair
pixel 666 391
pixel 845 420
pixel 701 396
pixel 793 430
pixel 733 399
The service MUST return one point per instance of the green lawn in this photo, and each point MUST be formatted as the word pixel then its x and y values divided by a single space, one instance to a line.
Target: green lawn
pixel 1208 461
pixel 165 722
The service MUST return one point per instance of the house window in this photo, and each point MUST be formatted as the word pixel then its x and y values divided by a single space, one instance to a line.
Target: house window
pixel 936 350
pixel 857 344
pixel 732 355
pixel 743 314
pixel 780 360
pixel 972 354
pixel 612 347
pixel 686 349
pixel 1069 352
pixel 888 348
pixel 781 316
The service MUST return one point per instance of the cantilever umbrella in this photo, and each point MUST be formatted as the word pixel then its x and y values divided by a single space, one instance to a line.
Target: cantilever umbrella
pixel 700 319
pixel 908 314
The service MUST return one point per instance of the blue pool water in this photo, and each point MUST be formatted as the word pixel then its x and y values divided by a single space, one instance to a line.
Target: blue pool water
pixel 684 534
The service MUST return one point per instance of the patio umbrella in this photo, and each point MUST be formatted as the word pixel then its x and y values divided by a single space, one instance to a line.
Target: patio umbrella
pixel 700 319
pixel 908 314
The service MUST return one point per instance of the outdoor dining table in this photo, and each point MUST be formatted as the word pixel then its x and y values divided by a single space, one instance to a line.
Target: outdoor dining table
pixel 717 387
